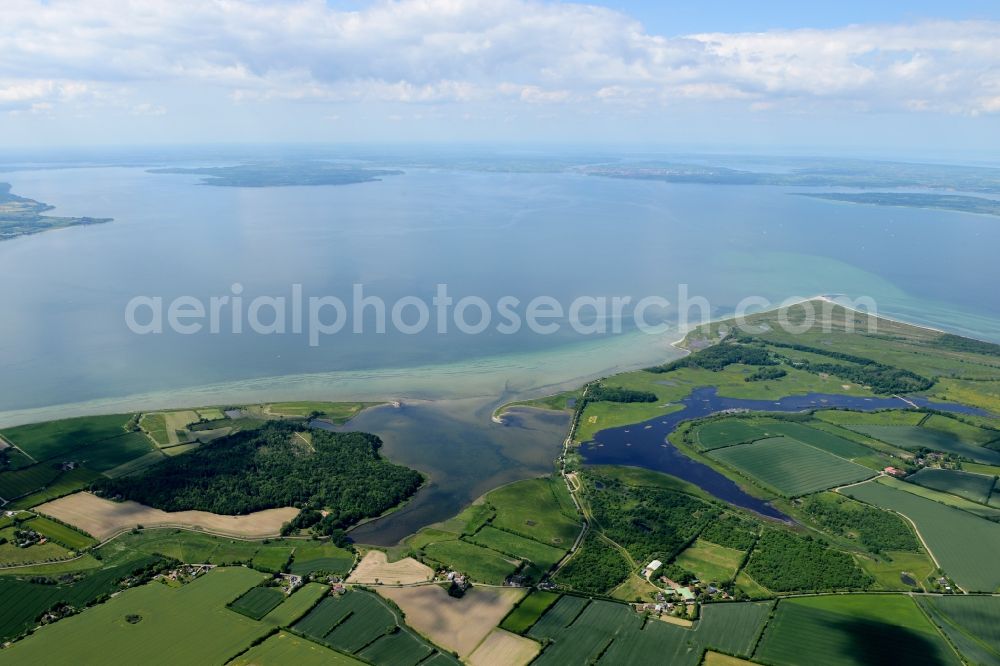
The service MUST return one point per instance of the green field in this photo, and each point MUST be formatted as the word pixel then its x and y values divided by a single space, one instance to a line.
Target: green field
pixel 258 601
pixel 190 624
pixel 518 547
pixel 61 534
pixel 790 467
pixel 821 439
pixel 532 509
pixel 988 512
pixel 197 548
pixel 917 437
pixel 732 628
pixel 890 417
pixel 726 432
pixel 155 425
pixel 971 622
pixel 611 629
pixel 361 619
pixel 556 402
pixel 98 442
pixel 272 558
pixel 65 438
pixel 399 649
pixel 335 412
pixel 963 431
pixel 532 520
pixel 10 554
pixel 136 464
pixel 889 567
pixel 851 629
pixel 527 612
pixel 963 544
pixel 298 604
pixel 974 487
pixel 311 557
pixel 580 632
pixel 361 623
pixel 283 649
pixel 482 564
pixel 27 480
pixel 709 562
pixel 24 600
pixel 11 458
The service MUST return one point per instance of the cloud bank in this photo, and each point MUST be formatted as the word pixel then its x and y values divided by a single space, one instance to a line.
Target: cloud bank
pixel 455 52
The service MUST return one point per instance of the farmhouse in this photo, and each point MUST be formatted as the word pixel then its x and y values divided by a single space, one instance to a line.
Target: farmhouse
pixel 894 471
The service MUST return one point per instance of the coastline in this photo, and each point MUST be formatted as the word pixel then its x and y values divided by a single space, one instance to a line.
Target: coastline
pixel 505 378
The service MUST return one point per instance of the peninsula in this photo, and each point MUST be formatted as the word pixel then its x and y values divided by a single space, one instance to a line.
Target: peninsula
pixel 20 216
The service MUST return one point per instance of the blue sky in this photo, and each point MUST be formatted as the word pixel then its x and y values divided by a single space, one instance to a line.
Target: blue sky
pixel 678 18
pixel 875 78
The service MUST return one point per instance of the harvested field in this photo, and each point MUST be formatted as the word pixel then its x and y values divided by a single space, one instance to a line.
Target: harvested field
pixel 375 567
pixel 454 624
pixel 103 518
pixel 503 647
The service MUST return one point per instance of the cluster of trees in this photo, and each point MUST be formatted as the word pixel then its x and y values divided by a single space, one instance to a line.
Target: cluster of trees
pixel 958 343
pixel 676 573
pixel 784 562
pixel 313 520
pixel 648 522
pixel 596 568
pixel 876 530
pixel 619 394
pixel 271 467
pixel 882 378
pixel 717 357
pixel 731 531
pixel 765 374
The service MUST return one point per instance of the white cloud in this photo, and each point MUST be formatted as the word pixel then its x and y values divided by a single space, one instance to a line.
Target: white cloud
pixel 38 94
pixel 455 51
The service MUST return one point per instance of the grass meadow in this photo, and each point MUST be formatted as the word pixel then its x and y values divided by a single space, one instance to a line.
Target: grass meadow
pixel 964 545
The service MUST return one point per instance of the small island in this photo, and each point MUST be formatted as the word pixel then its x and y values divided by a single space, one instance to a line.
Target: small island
pixel 20 216
pixel 281 174
pixel 950 202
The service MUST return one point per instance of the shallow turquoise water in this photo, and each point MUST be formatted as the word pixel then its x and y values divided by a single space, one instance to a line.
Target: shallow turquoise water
pixel 63 338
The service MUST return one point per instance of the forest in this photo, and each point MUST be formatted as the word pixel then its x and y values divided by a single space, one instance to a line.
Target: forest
pixel 596 568
pixel 731 531
pixel 648 522
pixel 876 530
pixel 619 394
pixel 765 374
pixel 275 466
pixel 784 562
pixel 717 357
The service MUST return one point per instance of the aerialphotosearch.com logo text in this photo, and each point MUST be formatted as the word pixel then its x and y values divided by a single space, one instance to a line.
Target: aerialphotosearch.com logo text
pixel 320 316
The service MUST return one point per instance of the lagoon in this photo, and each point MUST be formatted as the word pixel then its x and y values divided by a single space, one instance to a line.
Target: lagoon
pixel 646 445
